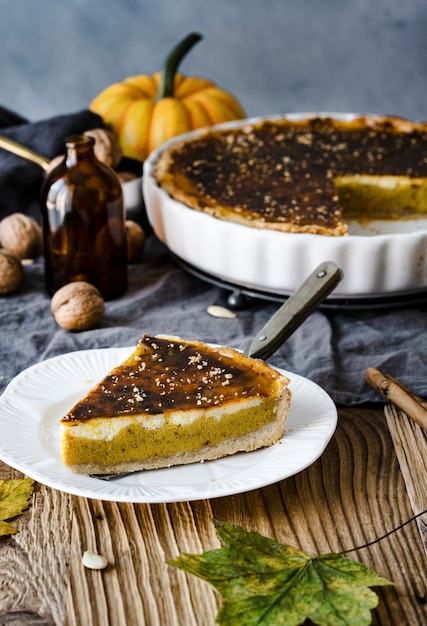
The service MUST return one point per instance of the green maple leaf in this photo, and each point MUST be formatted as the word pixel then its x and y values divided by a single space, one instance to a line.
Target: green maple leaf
pixel 266 583
pixel 14 499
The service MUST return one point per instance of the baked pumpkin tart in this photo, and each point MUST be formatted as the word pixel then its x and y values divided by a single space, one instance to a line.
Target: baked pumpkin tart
pixel 175 402
pixel 301 176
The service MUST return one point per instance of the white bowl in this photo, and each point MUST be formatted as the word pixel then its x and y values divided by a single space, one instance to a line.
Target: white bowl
pixel 132 194
pixel 377 258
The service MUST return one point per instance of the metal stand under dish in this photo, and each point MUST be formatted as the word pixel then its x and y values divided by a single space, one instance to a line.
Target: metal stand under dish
pixel 239 295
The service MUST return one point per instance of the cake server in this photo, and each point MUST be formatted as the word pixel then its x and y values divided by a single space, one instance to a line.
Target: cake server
pixel 295 310
pixel 286 320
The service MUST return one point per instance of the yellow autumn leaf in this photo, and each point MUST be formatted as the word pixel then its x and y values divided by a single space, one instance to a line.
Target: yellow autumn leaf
pixel 15 497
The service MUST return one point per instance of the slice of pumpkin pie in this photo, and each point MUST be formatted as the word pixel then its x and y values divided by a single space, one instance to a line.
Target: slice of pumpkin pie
pixel 174 402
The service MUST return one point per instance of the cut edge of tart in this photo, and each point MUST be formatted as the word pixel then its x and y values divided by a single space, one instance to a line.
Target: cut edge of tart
pixel 174 402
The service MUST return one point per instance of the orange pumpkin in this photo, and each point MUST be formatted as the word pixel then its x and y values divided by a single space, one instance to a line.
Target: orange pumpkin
pixel 145 111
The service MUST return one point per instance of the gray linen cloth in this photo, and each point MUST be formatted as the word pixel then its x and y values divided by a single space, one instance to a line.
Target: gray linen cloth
pixel 333 347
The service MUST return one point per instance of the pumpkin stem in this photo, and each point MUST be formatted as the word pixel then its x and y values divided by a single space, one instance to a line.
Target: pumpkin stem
pixel 170 66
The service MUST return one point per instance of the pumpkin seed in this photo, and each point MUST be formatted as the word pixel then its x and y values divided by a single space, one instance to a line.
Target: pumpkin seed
pixel 91 560
pixel 219 311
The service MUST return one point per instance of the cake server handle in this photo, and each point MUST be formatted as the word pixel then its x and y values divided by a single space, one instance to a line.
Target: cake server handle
pixel 295 310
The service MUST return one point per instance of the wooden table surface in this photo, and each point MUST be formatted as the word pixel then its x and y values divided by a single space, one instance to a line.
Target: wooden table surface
pixel 354 494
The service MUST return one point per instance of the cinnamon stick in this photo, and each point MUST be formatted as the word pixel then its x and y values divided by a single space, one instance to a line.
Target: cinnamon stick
pixel 402 397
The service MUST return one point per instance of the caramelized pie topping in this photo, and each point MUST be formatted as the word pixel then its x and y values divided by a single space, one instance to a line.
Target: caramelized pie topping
pixel 164 374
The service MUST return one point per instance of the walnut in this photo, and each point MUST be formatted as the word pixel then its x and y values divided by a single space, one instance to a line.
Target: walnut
pixel 135 241
pixel 77 306
pixel 11 273
pixel 107 148
pixel 21 235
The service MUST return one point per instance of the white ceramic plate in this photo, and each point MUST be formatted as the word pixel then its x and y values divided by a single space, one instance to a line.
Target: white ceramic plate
pixel 378 259
pixel 34 402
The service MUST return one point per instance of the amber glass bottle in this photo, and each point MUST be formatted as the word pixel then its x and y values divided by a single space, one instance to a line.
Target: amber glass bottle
pixel 84 222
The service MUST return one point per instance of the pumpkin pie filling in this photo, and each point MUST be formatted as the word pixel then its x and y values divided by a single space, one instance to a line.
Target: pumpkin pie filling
pixel 301 176
pixel 172 402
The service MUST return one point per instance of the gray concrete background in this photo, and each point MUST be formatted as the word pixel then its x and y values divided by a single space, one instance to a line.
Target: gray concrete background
pixel 276 56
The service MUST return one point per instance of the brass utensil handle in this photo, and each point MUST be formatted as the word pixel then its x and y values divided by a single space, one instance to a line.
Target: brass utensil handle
pixel 295 310
pixel 22 151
